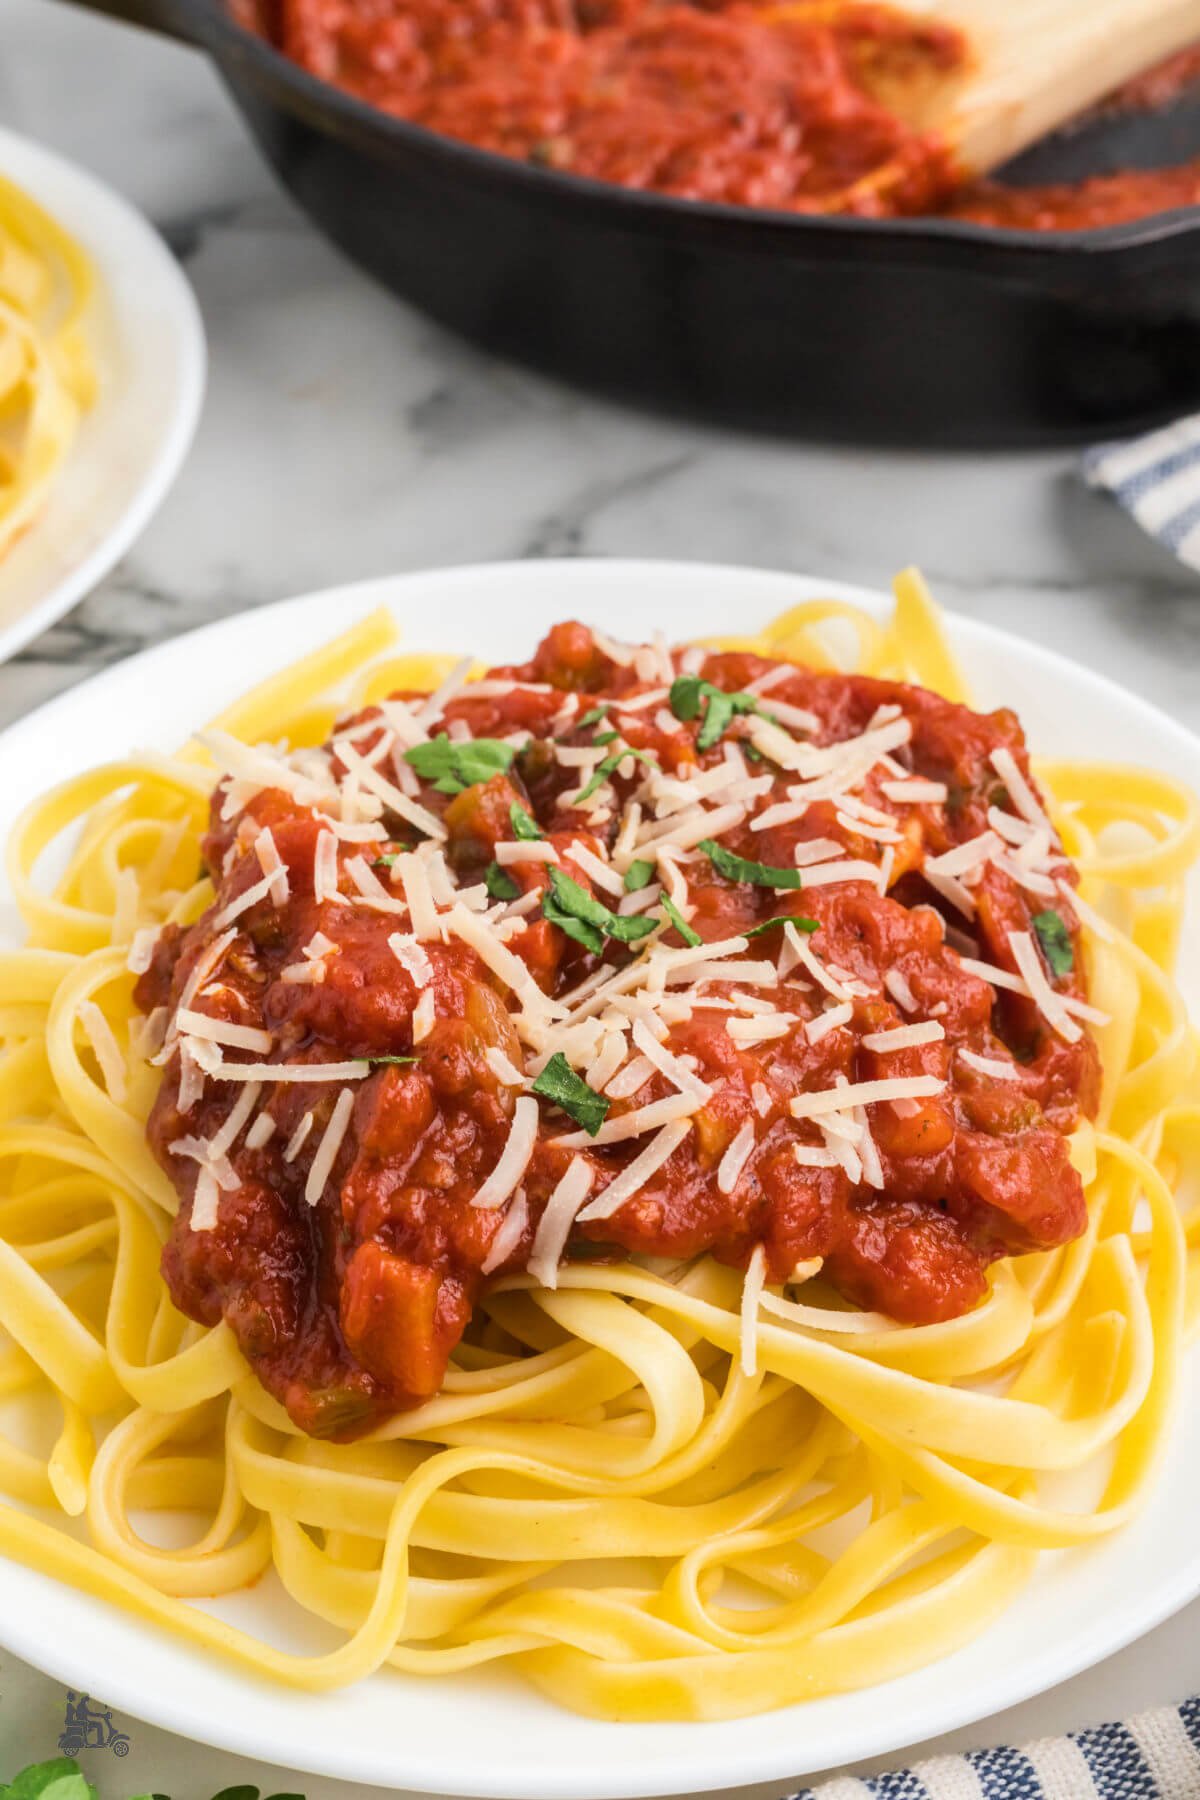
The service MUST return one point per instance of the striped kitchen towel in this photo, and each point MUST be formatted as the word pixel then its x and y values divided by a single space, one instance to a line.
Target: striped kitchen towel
pixel 1156 478
pixel 1155 1756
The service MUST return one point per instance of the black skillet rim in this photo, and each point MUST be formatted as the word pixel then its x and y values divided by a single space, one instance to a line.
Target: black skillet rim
pixel 322 104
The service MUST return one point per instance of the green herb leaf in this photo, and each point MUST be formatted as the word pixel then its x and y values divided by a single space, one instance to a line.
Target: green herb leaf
pixel 591 718
pixel 375 1061
pixel 57 1780
pixel 1055 940
pixel 684 698
pixel 608 767
pixel 500 884
pixel 605 737
pixel 801 924
pixel 739 868
pixel 384 862
pixel 237 1793
pixel 590 936
pixel 567 901
pixel 687 691
pixel 690 937
pixel 638 875
pixel 453 767
pixel 559 1082
pixel 525 828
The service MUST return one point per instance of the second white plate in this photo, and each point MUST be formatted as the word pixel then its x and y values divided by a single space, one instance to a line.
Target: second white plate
pixel 149 347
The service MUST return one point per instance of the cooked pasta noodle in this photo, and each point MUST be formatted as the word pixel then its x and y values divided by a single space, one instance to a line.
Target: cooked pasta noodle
pixel 611 1417
pixel 47 373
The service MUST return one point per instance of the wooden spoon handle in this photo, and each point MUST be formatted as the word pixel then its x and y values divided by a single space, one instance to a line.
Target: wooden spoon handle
pixel 1037 63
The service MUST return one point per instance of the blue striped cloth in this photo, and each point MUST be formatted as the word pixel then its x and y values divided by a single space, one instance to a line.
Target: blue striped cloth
pixel 1156 478
pixel 1155 1756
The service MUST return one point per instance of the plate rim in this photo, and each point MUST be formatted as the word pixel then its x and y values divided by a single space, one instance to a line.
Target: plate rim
pixel 693 1767
pixel 30 164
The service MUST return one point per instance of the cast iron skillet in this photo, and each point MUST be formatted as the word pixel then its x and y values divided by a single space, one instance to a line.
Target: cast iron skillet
pixel 922 331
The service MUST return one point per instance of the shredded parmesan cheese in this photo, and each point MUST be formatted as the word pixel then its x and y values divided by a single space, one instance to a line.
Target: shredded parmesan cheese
pixel 994 1066
pixel 865 1093
pixel 508 1235
pixel 752 1289
pixel 327 1149
pixel 904 1037
pixel 107 1051
pixel 514 1158
pixel 637 1173
pixel 554 1226
pixel 737 1155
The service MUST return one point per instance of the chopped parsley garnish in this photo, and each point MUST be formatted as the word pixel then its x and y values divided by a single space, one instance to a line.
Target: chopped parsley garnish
pixel 608 767
pixel 500 884
pixel 453 767
pixel 690 937
pixel 638 875
pixel 385 862
pixel 585 919
pixel 1055 940
pixel 796 919
pixel 559 1082
pixel 720 709
pixel 525 827
pixel 740 868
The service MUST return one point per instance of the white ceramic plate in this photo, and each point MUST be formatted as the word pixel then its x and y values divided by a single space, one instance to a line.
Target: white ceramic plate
pixel 488 1734
pixel 149 347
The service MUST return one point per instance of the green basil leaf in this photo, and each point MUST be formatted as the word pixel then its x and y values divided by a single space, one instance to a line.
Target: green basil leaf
pixel 500 884
pixel 1055 940
pixel 690 937
pixel 687 691
pixel 567 899
pixel 801 924
pixel 583 933
pixel 608 767
pixel 57 1780
pixel 524 826
pixel 453 767
pixel 740 868
pixel 559 1083
pixel 638 875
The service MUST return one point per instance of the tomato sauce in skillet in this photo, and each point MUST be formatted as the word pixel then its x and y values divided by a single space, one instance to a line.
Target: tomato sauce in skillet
pixel 781 105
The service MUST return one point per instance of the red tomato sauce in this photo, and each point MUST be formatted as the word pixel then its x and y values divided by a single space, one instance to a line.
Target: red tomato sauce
pixel 349 1308
pixel 782 105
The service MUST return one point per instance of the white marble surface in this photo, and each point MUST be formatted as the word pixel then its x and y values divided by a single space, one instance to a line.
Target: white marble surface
pixel 344 436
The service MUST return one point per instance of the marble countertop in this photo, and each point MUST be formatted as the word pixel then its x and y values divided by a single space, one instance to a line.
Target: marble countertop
pixel 344 436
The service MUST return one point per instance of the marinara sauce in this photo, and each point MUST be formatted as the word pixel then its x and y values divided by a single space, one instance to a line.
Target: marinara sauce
pixel 786 105
pixel 349 1289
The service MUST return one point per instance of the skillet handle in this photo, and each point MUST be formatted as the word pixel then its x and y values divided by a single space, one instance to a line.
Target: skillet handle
pixel 167 17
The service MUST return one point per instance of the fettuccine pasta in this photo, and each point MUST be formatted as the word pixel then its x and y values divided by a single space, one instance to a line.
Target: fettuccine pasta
pixel 663 1421
pixel 47 372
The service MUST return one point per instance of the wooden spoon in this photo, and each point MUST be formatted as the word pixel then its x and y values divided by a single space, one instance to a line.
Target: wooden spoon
pixel 1035 64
